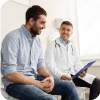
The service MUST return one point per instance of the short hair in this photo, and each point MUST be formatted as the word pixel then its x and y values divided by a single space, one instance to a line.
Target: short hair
pixel 34 12
pixel 67 23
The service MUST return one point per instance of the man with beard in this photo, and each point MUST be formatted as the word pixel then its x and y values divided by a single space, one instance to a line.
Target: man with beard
pixel 22 58
pixel 62 61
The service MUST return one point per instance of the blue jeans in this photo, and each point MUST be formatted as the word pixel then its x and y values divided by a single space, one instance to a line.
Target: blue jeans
pixel 64 88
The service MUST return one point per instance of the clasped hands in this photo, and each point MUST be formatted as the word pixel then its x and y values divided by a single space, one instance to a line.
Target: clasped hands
pixel 47 84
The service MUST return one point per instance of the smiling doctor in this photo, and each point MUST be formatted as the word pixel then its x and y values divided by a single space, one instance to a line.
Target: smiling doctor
pixel 62 61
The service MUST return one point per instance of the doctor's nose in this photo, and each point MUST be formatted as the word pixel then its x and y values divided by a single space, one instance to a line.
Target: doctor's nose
pixel 65 31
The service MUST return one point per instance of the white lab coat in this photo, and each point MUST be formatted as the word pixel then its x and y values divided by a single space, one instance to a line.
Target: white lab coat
pixel 60 62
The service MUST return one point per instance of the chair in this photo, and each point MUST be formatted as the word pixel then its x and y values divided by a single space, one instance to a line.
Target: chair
pixel 5 94
pixel 79 90
pixel 82 90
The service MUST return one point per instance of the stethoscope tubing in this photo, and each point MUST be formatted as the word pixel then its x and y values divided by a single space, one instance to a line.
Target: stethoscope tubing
pixel 59 47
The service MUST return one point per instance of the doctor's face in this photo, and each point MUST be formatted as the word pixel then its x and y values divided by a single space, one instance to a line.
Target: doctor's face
pixel 65 32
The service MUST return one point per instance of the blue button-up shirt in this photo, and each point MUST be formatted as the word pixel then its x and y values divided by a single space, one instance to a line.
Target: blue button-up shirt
pixel 63 42
pixel 20 52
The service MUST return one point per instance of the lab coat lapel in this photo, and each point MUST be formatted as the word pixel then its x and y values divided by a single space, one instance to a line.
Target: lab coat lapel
pixel 58 42
pixel 69 47
pixel 69 50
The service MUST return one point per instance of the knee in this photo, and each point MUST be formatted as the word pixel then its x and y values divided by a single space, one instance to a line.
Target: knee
pixel 96 83
pixel 70 90
pixel 73 85
pixel 49 97
pixel 70 86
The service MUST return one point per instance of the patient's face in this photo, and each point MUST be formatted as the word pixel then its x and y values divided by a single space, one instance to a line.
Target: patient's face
pixel 38 25
pixel 65 32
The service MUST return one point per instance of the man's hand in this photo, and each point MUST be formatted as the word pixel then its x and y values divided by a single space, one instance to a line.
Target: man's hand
pixel 83 74
pixel 50 84
pixel 46 85
pixel 42 85
pixel 64 77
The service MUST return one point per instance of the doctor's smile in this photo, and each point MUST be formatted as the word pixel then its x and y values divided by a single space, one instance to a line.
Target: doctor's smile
pixel 65 32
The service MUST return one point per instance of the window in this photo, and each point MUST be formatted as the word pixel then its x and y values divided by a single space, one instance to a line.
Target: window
pixel 88 13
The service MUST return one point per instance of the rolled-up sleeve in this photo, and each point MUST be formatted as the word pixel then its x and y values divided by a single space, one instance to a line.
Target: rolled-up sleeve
pixel 9 54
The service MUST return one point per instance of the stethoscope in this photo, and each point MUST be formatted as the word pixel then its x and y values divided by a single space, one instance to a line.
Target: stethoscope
pixel 59 47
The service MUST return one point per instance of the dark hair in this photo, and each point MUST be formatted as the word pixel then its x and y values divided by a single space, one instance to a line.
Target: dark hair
pixel 34 12
pixel 67 23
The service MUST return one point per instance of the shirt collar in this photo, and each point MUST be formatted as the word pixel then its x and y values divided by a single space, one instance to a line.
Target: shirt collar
pixel 25 31
pixel 63 42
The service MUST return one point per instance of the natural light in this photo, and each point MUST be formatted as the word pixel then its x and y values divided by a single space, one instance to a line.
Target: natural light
pixel 88 13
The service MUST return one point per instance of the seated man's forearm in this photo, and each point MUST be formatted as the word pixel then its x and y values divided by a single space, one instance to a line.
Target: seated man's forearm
pixel 43 72
pixel 22 79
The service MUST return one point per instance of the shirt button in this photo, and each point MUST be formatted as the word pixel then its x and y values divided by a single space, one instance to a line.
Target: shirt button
pixel 31 58
pixel 30 39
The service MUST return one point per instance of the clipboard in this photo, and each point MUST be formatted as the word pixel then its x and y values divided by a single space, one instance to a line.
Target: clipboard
pixel 83 69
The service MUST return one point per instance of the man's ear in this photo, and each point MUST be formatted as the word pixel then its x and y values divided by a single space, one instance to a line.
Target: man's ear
pixel 31 21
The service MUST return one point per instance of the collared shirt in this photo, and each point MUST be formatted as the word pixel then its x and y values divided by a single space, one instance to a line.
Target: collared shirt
pixel 63 42
pixel 20 53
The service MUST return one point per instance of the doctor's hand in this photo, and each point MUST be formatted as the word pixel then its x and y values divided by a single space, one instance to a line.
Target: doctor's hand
pixel 83 74
pixel 48 87
pixel 65 77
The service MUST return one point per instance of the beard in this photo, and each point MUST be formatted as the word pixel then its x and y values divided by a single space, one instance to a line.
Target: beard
pixel 34 30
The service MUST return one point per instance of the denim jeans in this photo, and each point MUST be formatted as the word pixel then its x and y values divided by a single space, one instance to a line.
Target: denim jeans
pixel 64 88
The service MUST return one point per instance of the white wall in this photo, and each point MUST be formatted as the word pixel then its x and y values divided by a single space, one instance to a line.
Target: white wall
pixel 65 9
pixel 13 16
